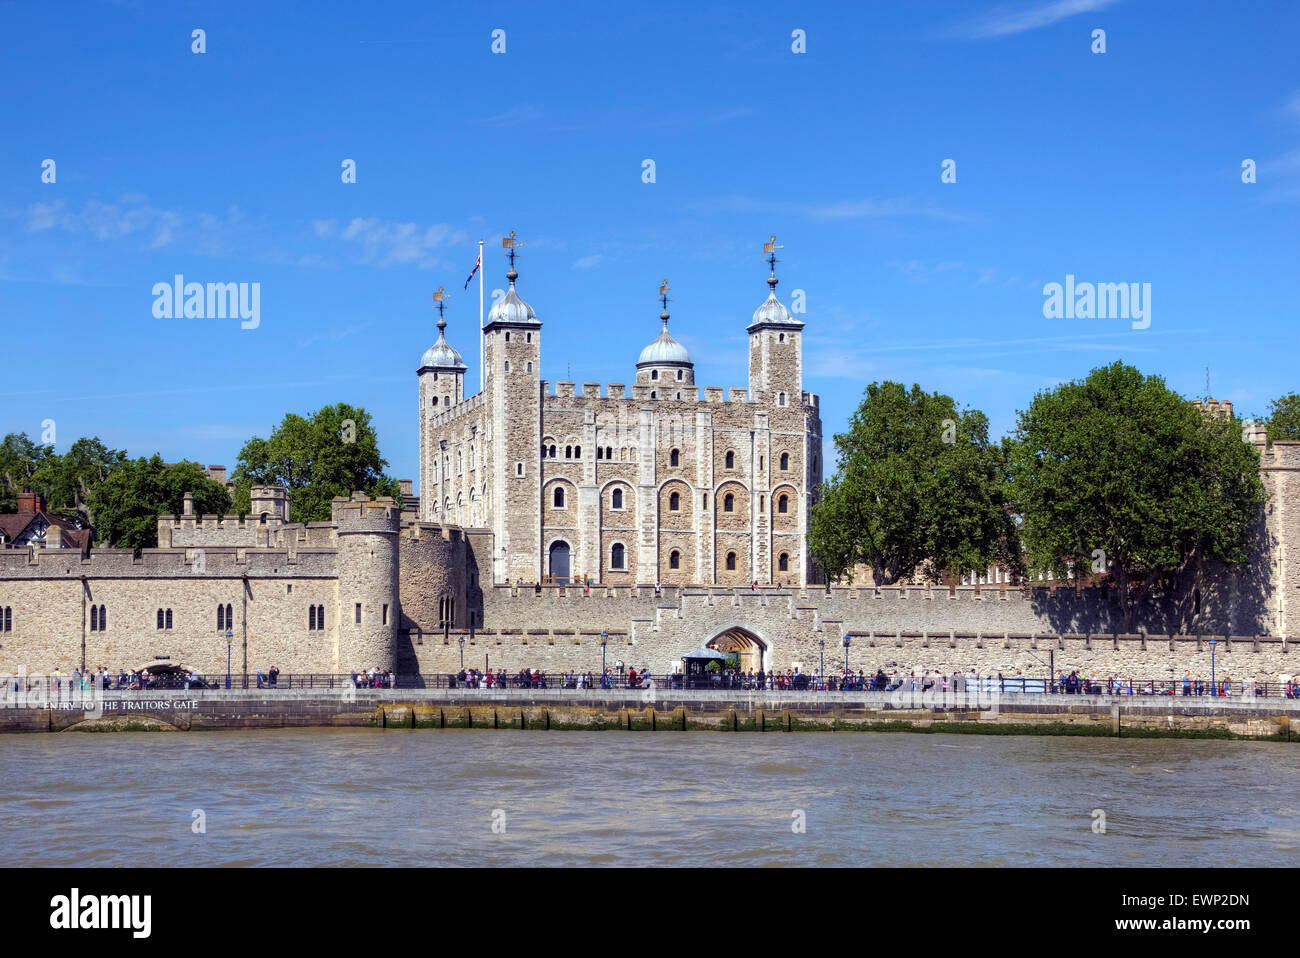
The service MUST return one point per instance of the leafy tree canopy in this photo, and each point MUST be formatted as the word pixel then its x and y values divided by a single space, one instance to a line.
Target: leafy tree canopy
pixel 127 504
pixel 1119 463
pixel 919 489
pixel 1283 422
pixel 331 452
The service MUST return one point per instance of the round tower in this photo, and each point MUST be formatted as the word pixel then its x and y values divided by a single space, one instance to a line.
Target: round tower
pixel 369 612
pixel 665 363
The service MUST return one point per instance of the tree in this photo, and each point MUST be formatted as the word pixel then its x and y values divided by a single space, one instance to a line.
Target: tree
pixel 1118 474
pixel 918 489
pixel 127 504
pixel 1283 422
pixel 66 481
pixel 331 452
pixel 20 459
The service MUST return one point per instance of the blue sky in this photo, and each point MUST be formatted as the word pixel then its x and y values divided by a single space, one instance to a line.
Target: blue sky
pixel 225 167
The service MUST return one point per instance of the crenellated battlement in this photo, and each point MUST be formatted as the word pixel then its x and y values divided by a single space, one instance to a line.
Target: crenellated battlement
pixel 458 411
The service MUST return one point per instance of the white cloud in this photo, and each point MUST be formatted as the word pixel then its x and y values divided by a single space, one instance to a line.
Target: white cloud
pixel 389 243
pixel 587 262
pixel 1005 21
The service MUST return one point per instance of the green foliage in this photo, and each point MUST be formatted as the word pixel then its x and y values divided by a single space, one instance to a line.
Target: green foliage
pixel 919 489
pixel 20 459
pixel 127 504
pixel 331 452
pixel 1120 463
pixel 1283 422
pixel 66 481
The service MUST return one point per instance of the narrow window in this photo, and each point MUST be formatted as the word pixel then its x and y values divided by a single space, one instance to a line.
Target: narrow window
pixel 761 460
pixel 507 363
pixel 559 497
pixel 609 452
pixel 679 395
pixel 706 500
pixel 435 400
pixel 552 452
pixel 783 563
pixel 785 461
pixel 731 562
pixel 543 450
pixel 507 337
pixel 616 556
pixel 577 452
pixel 654 374
pixel 674 559
pixel 568 452
pixel 762 503
pixel 780 399
pixel 679 375
pixel 600 453
pixel 103 618
pixel 618 498
pixel 528 367
pixel 169 618
pixel 230 616
pixel 674 502
pixel 731 460
pixel 320 617
pixel 160 618
pixel 311 618
pixel 674 458
pixel 652 394
pixel 94 618
pixel 728 503
pixel 358 613
pixel 783 504
pixel 528 337
pixel 519 469
pixel 384 621
pixel 9 618
pixel 221 617
pixel 781 338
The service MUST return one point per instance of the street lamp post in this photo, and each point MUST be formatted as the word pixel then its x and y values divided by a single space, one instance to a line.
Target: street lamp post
pixel 229 639
pixel 822 643
pixel 1214 689
pixel 604 639
pixel 846 653
pixel 462 653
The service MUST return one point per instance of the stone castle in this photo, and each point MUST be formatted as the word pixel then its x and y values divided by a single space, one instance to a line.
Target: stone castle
pixel 686 515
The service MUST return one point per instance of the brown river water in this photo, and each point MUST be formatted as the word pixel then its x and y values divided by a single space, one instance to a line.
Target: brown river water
pixel 357 797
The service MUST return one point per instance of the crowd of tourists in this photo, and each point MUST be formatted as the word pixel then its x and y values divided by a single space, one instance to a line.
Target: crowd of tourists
pixel 538 679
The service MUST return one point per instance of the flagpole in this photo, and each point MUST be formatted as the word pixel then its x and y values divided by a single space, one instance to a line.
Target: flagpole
pixel 481 361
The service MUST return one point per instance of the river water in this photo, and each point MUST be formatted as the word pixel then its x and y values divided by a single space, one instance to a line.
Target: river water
pixel 351 797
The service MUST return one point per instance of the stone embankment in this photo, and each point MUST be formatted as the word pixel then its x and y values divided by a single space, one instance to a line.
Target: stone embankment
pixel 651 710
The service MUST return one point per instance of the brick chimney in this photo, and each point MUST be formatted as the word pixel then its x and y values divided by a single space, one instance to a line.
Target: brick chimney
pixel 29 502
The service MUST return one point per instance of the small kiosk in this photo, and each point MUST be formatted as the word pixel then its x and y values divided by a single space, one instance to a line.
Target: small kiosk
pixel 696 666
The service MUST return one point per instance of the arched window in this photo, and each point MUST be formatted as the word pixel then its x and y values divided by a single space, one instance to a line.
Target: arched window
pixel 528 337
pixel 230 615
pixel 674 559
pixel 221 617
pixel 652 394
pixel 731 562
pixel 529 367
pixel 160 618
pixel 507 337
pixel 617 499
pixel 507 361
pixel 616 556
pixel 543 450
pixel 559 497
pixel 679 375
pixel 435 400
pixel 674 502
pixel 785 461
pixel 600 452
pixel 781 338
pixel 552 452
pixel 783 504
pixel 728 503
pixel 679 395
pixel 169 618
pixel 762 503
pixel 780 399
pixel 783 563
pixel 609 452
pixel 674 458
pixel 94 618
pixel 311 618
pixel 654 374
pixel 577 452
pixel 568 452
pixel 731 460
pixel 103 618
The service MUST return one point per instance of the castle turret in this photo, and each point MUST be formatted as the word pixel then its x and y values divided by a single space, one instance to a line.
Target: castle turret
pixel 442 386
pixel 665 365
pixel 268 503
pixel 369 610
pixel 775 347
pixel 512 350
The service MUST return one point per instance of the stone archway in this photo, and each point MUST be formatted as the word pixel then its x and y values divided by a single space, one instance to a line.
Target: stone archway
pixel 753 651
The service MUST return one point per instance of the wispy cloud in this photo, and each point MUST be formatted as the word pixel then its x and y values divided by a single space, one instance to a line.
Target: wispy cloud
pixel 833 210
pixel 919 272
pixel 1005 21
pixel 390 243
pixel 587 262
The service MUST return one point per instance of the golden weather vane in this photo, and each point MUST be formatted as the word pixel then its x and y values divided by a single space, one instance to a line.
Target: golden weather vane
pixel 511 244
pixel 439 301
pixel 770 248
pixel 663 294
